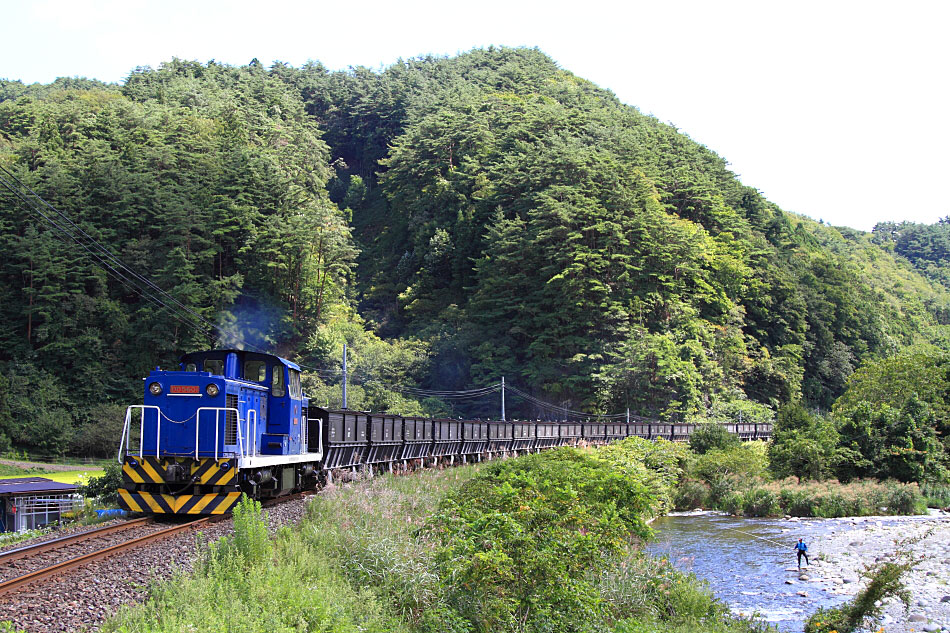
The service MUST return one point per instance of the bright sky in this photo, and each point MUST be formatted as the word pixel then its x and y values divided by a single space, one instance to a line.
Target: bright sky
pixel 836 110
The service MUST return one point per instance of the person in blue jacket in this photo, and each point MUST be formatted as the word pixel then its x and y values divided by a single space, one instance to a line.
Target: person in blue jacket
pixel 802 550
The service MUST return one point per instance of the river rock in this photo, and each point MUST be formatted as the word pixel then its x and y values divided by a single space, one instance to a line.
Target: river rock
pixel 802 594
pixel 945 599
pixel 916 617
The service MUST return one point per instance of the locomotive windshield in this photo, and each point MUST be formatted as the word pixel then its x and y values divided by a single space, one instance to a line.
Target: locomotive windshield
pixel 255 370
pixel 214 365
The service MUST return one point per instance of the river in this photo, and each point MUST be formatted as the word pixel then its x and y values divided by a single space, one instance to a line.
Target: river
pixel 749 563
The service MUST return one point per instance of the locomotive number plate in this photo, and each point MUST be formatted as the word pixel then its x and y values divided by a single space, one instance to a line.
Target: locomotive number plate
pixel 184 389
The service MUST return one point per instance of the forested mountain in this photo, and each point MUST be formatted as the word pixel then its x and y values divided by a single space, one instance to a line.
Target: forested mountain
pixel 926 246
pixel 489 214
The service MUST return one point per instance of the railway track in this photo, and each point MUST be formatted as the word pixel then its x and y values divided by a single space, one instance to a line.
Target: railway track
pixel 52 558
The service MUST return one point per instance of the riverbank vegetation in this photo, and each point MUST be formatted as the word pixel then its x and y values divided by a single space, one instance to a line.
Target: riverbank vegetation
pixel 882 449
pixel 546 542
pixel 742 479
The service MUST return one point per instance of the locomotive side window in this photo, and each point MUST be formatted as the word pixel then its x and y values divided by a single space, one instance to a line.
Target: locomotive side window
pixel 255 370
pixel 277 384
pixel 215 366
pixel 295 384
pixel 191 367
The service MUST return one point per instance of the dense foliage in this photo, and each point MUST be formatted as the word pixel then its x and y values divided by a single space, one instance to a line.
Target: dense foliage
pixel 482 216
pixel 520 540
pixel 208 179
pixel 926 246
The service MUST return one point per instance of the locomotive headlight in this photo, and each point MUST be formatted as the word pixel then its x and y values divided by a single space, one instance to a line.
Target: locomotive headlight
pixel 212 390
pixel 155 389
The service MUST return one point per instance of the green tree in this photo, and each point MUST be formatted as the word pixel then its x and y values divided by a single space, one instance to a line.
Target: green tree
pixel 803 444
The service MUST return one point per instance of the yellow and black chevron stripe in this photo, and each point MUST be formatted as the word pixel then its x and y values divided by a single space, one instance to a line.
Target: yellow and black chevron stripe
pixel 153 503
pixel 151 470
pixel 214 473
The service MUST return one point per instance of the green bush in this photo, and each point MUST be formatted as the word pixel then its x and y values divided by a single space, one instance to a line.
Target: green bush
pixel 648 595
pixel 711 435
pixel 803 445
pixel 691 494
pixel 659 464
pixel 937 495
pixel 105 488
pixel 733 503
pixel 761 502
pixel 521 540
pixel 742 462
pixel 639 585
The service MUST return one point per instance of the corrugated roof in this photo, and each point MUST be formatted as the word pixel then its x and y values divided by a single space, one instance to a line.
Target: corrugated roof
pixel 26 485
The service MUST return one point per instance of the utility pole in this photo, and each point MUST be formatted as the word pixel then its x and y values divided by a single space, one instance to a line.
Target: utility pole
pixel 502 398
pixel 344 375
pixel 628 415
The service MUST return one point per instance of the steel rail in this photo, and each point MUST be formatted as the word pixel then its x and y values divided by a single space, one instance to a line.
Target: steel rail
pixel 39 548
pixel 21 581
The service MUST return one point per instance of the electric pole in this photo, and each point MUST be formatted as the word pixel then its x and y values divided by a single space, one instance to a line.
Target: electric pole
pixel 502 398
pixel 344 375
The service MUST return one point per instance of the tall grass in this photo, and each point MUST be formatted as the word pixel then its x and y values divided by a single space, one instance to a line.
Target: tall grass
pixel 937 495
pixel 372 532
pixel 246 583
pixel 825 499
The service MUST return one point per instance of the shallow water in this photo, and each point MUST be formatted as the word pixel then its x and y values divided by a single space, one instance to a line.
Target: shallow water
pixel 748 561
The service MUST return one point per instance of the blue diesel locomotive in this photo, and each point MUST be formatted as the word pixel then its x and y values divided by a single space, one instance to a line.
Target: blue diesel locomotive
pixel 227 422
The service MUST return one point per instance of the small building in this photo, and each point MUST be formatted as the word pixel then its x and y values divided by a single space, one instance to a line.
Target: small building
pixel 28 503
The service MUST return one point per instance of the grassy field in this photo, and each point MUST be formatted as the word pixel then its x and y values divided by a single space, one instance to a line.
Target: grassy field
pixel 79 475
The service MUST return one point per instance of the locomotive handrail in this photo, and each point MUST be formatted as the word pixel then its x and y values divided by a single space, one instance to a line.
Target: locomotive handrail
pixel 320 441
pixel 251 448
pixel 217 424
pixel 126 436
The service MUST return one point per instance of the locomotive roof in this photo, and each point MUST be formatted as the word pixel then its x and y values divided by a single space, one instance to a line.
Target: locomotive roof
pixel 284 361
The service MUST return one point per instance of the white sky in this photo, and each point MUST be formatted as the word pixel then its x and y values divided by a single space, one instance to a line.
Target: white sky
pixel 836 110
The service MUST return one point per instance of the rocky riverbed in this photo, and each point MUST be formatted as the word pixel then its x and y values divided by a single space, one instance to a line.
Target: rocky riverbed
pixel 849 545
pixel 750 564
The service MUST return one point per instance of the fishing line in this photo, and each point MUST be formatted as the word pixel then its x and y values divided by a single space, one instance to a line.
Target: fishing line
pixel 762 538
